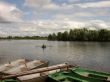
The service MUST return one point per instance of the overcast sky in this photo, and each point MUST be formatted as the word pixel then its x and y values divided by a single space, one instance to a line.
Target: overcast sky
pixel 41 17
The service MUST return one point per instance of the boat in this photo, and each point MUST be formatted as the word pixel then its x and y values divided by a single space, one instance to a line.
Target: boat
pixel 43 46
pixel 38 75
pixel 10 80
pixel 12 64
pixel 78 74
pixel 27 67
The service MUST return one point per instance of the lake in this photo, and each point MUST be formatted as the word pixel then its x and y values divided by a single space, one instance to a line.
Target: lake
pixel 92 55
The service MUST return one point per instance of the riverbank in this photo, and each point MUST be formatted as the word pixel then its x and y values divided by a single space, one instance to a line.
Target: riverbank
pixel 23 38
pixel 101 35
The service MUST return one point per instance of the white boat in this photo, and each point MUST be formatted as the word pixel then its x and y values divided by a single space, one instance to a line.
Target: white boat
pixel 27 67
pixel 41 77
pixel 12 64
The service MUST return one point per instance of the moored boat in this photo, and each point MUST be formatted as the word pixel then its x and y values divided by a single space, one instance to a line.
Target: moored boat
pixel 38 75
pixel 42 74
pixel 27 67
pixel 12 64
pixel 78 74
pixel 9 80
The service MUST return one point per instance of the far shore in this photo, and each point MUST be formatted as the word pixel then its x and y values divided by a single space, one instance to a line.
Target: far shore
pixel 23 38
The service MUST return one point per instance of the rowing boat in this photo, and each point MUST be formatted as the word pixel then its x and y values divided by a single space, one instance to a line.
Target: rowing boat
pixel 37 75
pixel 10 80
pixel 12 64
pixel 27 67
pixel 78 74
pixel 40 76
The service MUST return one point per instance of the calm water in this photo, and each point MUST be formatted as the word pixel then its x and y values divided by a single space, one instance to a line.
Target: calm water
pixel 91 55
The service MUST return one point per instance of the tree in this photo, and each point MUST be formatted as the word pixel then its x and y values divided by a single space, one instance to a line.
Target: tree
pixel 103 35
pixel 65 36
pixel 50 37
pixel 71 35
pixel 59 36
pixel 82 35
pixel 54 37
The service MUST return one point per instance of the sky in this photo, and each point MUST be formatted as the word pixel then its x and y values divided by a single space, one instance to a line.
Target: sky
pixel 42 17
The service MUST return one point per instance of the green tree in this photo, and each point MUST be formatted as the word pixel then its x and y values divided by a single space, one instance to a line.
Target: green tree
pixel 54 37
pixel 50 37
pixel 103 35
pixel 82 35
pixel 65 36
pixel 59 36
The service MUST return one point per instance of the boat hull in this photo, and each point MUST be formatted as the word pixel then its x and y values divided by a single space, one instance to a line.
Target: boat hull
pixel 38 79
pixel 78 75
pixel 27 67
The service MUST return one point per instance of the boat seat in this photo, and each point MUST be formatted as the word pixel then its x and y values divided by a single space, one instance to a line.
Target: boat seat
pixel 27 77
pixel 54 71
pixel 64 69
pixel 18 62
pixel 108 78
pixel 22 62
pixel 8 66
pixel 98 76
pixel 44 73
pixel 86 74
pixel 23 69
pixel 37 62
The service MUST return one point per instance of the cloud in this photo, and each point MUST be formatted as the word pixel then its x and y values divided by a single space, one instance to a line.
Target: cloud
pixel 45 27
pixel 42 8
pixel 37 3
pixel 99 4
pixel 9 13
pixel 46 5
pixel 48 17
pixel 3 20
pixel 97 24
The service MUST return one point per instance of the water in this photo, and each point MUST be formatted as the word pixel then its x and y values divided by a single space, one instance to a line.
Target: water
pixel 92 55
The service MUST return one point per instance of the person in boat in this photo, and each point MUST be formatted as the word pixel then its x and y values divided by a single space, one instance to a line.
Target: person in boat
pixel 43 46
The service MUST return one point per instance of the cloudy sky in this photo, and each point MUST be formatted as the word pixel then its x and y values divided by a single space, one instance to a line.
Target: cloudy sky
pixel 41 17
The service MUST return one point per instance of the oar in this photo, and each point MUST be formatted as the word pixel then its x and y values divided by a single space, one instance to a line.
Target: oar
pixel 41 70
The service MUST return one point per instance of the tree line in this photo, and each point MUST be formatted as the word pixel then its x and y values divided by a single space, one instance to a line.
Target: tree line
pixel 81 35
pixel 23 37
